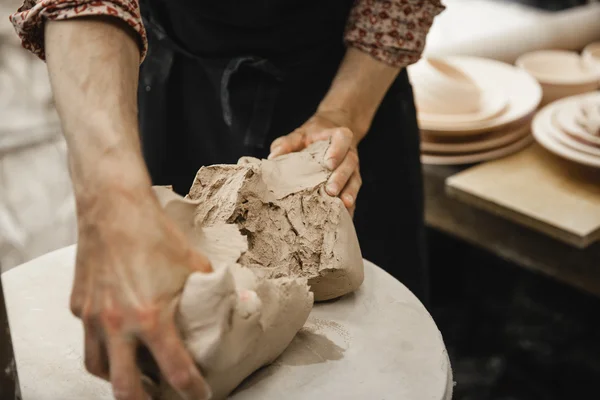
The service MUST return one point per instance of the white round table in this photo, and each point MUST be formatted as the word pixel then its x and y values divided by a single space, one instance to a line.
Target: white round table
pixel 377 343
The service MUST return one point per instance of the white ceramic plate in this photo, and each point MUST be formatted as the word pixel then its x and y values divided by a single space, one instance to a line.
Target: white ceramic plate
pixel 552 129
pixel 471 144
pixel 522 90
pixel 565 119
pixel 477 157
pixel 550 143
pixel 492 106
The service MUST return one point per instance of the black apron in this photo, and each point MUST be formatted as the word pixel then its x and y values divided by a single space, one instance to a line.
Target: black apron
pixel 223 79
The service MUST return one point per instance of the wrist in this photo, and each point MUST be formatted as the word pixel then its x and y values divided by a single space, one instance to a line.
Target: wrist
pixel 104 169
pixel 113 204
pixel 358 89
pixel 354 118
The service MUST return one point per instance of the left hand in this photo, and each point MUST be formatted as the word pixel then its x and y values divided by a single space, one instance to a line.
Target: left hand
pixel 341 156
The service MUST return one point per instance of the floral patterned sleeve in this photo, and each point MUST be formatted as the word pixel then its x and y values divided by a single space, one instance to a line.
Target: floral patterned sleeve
pixel 392 31
pixel 29 19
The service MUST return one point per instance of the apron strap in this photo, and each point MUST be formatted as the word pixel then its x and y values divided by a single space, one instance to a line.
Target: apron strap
pixel 248 86
pixel 249 89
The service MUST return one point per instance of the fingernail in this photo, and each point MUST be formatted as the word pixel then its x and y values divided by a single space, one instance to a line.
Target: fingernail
pixel 274 153
pixel 348 199
pixel 330 163
pixel 332 189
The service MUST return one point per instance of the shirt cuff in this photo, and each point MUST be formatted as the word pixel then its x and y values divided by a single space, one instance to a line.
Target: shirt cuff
pixel 30 18
pixel 392 31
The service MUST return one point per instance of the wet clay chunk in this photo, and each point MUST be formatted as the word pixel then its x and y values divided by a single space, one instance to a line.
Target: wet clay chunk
pixel 293 227
pixel 231 321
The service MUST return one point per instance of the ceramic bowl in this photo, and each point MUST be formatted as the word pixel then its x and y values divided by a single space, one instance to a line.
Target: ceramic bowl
pixel 444 89
pixel 518 89
pixel 560 73
pixel 590 116
pixel 432 143
pixel 571 120
pixel 591 56
pixel 545 135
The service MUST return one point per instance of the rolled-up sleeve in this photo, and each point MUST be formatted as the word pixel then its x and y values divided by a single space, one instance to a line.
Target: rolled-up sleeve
pixel 392 31
pixel 30 18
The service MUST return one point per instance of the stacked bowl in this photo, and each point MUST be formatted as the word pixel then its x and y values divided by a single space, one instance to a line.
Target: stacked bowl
pixel 591 56
pixel 472 109
pixel 561 73
pixel 570 128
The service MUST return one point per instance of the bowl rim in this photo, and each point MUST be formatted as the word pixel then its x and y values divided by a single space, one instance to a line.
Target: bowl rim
pixel 590 77
pixel 593 46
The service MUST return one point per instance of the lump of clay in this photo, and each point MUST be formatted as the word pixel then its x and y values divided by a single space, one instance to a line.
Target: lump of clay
pixel 232 321
pixel 293 227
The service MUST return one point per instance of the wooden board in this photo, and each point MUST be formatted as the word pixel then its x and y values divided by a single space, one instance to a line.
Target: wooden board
pixel 536 189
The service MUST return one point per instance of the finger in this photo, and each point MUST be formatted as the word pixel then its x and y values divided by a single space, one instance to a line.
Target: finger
pixel 200 262
pixel 125 376
pixel 350 192
pixel 351 210
pixel 288 143
pixel 340 177
pixel 95 358
pixel 341 142
pixel 175 363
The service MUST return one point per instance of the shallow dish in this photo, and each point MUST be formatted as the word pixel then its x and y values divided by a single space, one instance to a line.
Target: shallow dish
pixel 591 56
pixel 565 119
pixel 561 73
pixel 550 143
pixel 444 93
pixel 430 143
pixel 554 130
pixel 444 89
pixel 435 159
pixel 522 90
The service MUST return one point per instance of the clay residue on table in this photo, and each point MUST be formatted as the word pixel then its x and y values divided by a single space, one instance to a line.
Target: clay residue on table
pixel 310 347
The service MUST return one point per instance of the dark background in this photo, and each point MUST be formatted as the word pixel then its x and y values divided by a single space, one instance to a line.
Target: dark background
pixel 512 334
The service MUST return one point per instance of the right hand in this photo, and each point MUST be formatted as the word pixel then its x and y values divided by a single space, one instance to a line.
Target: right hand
pixel 132 263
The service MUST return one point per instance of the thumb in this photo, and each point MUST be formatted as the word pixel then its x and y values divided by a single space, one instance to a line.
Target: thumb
pixel 288 143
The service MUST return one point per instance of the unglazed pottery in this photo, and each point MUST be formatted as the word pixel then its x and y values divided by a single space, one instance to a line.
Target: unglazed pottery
pixel 477 157
pixel 446 94
pixel 431 143
pixel 561 73
pixel 444 89
pixel 553 129
pixel 522 91
pixel 567 118
pixel 543 134
pixel 591 56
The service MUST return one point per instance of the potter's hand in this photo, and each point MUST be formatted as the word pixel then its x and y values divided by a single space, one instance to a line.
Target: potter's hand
pixel 341 156
pixel 132 263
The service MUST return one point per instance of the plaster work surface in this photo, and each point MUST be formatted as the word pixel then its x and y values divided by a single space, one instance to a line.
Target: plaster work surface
pixel 378 340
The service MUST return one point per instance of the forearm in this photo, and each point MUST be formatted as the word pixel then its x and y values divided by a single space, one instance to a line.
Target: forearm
pixel 358 88
pixel 383 36
pixel 93 65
